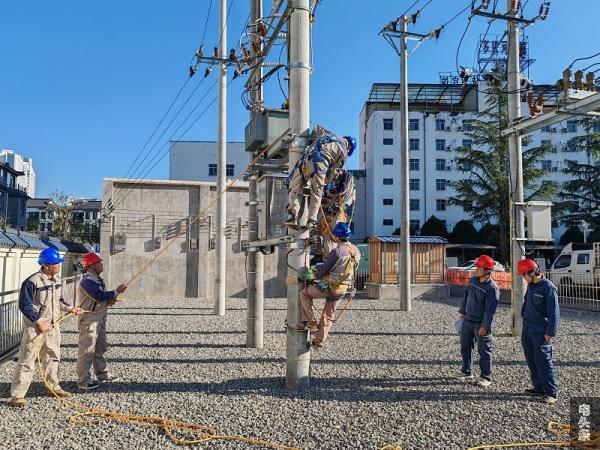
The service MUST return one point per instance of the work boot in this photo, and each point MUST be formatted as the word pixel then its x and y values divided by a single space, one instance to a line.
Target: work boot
pixel 310 326
pixel 484 382
pixel 311 224
pixel 465 377
pixel 317 344
pixel 533 392
pixel 291 220
pixel 18 402
pixel 550 400
pixel 88 386
pixel 109 379
pixel 60 393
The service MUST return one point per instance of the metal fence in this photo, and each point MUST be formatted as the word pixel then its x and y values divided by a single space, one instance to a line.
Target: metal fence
pixel 579 291
pixel 11 319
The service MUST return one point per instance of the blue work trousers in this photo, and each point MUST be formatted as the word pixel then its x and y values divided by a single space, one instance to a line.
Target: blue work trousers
pixel 469 335
pixel 538 354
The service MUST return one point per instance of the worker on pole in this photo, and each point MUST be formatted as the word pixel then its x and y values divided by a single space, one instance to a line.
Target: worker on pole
pixel 316 167
pixel 541 315
pixel 477 311
pixel 337 205
pixel 332 281
pixel 95 300
pixel 42 304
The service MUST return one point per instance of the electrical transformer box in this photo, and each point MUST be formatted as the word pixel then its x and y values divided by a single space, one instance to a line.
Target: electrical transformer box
pixel 264 129
pixel 539 221
pixel 272 203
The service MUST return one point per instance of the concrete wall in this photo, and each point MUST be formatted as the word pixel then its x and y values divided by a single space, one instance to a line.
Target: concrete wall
pixel 145 211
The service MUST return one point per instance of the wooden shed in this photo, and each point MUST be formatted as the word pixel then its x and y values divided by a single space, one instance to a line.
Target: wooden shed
pixel 428 257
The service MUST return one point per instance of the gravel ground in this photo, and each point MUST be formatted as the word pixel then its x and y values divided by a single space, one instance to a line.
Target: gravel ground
pixel 386 377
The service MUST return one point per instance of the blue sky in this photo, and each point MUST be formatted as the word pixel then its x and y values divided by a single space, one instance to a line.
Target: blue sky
pixel 83 84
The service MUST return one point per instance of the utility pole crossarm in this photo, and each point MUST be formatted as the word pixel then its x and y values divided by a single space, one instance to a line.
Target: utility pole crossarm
pixel 579 107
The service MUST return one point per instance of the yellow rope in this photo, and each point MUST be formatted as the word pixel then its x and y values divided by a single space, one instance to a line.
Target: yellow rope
pixel 172 428
pixel 558 429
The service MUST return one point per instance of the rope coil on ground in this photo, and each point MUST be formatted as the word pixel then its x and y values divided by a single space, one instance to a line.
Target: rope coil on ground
pixel 174 429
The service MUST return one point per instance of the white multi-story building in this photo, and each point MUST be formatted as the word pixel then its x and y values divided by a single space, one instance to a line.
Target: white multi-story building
pixel 85 212
pixel 439 116
pixel 24 164
pixel 197 160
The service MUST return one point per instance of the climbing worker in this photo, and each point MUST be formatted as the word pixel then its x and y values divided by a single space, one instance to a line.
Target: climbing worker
pixel 477 311
pixel 95 300
pixel 337 206
pixel 333 280
pixel 42 303
pixel 541 314
pixel 317 167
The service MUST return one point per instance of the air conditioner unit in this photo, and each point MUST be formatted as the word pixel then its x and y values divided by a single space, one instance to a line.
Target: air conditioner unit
pixel 564 130
pixel 459 128
pixel 555 169
pixel 553 130
pixel 448 168
pixel 448 148
pixel 447 128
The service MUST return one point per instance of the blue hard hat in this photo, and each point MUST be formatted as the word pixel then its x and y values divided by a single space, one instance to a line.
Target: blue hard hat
pixel 342 230
pixel 49 256
pixel 351 144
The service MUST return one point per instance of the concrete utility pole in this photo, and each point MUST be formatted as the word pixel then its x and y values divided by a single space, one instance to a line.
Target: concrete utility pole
pixel 390 33
pixel 517 213
pixel 221 240
pixel 255 306
pixel 404 258
pixel 297 353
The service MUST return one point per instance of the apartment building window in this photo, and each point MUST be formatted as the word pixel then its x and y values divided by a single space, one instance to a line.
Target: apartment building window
pixel 440 164
pixel 547 165
pixel 413 144
pixel 572 126
pixel 467 125
pixel 414 184
pixel 388 201
pixel 388 124
pixel 468 143
pixel 43 215
pixel 229 170
pixel 212 170
pixel 413 164
pixel 415 204
pixel 440 124
pixel 388 222
pixel 440 184
pixel 388 141
pixel 388 181
pixel 596 126
pixel 440 204
pixel 467 167
pixel 546 129
pixel 440 144
pixel 413 124
pixel 415 225
pixel 388 161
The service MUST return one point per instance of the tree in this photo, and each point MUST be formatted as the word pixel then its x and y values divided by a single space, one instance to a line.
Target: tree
pixel 572 234
pixel 464 233
pixel 581 194
pixel 484 193
pixel 434 227
pixel 489 234
pixel 60 208
pixel 32 226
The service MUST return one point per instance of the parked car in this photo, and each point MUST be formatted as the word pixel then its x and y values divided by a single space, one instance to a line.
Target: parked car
pixel 470 265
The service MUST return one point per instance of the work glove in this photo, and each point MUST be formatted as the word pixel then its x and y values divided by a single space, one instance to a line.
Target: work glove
pixel 306 274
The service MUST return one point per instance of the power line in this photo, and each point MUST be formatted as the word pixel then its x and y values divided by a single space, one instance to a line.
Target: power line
pixel 582 59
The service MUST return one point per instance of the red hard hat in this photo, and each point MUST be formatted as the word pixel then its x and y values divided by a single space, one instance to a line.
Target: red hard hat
pixel 90 259
pixel 526 265
pixel 484 261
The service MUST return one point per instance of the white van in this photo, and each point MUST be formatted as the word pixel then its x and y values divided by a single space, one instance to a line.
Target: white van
pixel 576 267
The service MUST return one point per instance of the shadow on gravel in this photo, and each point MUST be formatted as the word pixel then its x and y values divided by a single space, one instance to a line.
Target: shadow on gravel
pixel 382 390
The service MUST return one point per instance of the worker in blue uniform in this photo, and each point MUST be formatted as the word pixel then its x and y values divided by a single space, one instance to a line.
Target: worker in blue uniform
pixel 477 311
pixel 541 315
